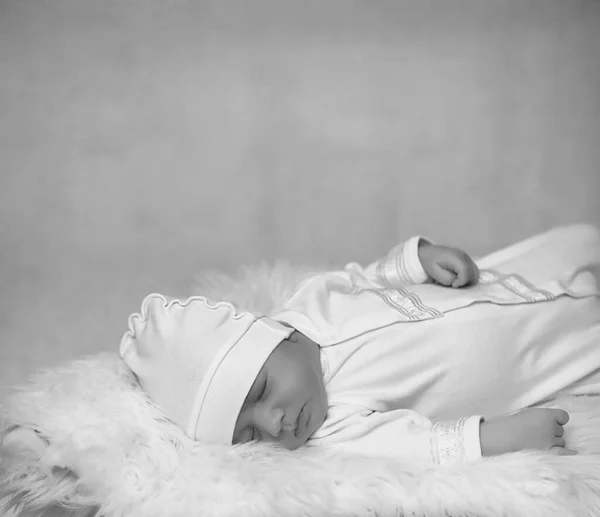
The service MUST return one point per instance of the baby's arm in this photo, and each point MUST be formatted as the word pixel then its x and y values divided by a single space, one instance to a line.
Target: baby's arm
pixel 415 262
pixel 406 434
pixel 399 268
pixel 403 434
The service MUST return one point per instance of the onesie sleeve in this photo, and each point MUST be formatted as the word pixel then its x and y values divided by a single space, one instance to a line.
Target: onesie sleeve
pixel 399 268
pixel 403 434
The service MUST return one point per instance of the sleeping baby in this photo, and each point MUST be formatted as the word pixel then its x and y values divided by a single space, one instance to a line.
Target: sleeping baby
pixel 425 354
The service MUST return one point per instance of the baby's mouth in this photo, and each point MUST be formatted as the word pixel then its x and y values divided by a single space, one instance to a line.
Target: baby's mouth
pixel 295 427
pixel 300 422
pixel 291 428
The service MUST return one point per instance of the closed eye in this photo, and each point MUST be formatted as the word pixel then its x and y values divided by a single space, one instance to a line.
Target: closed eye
pixel 262 390
pixel 253 433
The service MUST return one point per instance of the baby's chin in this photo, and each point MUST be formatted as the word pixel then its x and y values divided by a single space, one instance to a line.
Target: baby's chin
pixel 296 441
pixel 293 446
pixel 293 442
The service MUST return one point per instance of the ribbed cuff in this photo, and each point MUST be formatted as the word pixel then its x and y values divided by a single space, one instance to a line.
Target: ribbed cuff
pixel 471 437
pixel 411 262
pixel 456 441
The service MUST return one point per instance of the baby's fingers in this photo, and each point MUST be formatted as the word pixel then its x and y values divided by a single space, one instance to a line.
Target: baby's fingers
pixel 443 273
pixel 473 273
pixel 462 275
pixel 467 272
pixel 562 417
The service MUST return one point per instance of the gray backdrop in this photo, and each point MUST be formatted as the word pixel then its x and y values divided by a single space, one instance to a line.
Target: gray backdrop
pixel 142 141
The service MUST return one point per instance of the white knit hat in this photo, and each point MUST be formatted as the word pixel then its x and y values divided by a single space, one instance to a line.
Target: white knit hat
pixel 197 360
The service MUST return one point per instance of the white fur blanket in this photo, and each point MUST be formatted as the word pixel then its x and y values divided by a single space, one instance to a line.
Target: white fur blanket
pixel 83 440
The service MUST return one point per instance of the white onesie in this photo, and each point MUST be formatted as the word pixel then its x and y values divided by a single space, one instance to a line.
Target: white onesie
pixel 411 367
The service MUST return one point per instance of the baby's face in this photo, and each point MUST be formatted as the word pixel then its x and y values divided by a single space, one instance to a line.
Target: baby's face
pixel 287 402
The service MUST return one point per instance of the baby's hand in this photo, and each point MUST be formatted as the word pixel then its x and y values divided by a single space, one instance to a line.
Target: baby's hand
pixel 532 428
pixel 448 266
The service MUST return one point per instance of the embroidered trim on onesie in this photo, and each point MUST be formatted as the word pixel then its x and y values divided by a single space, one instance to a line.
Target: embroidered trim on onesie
pixel 406 303
pixel 516 284
pixel 447 445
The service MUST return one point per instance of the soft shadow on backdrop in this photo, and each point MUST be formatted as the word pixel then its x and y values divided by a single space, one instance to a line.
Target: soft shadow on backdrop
pixel 144 141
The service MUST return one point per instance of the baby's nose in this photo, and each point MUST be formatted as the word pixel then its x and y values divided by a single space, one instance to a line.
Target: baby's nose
pixel 272 421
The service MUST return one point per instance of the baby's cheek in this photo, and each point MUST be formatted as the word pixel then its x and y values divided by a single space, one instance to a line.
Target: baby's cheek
pixel 239 433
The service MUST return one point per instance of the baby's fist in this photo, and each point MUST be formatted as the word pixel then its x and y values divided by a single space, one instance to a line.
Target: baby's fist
pixel 532 428
pixel 448 266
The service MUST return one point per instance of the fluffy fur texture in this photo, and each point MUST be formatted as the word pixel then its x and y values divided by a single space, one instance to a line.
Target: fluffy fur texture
pixel 83 440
